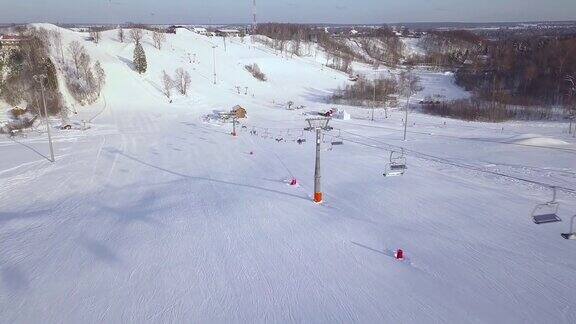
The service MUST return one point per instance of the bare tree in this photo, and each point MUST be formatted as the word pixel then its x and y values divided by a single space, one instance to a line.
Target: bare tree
pixel 158 37
pixel 57 39
pixel 76 50
pixel 409 85
pixel 254 69
pixel 571 106
pixel 100 76
pixel 167 84
pixel 136 35
pixel 121 35
pixel 84 64
pixel 96 35
pixel 183 80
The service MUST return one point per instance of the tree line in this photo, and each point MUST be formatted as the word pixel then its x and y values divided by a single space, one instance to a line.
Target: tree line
pixel 524 71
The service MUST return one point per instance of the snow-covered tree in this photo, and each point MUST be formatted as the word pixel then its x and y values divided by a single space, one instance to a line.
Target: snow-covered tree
pixel 76 50
pixel 183 80
pixel 121 35
pixel 96 35
pixel 84 63
pixel 140 63
pixel 100 76
pixel 57 42
pixel 136 35
pixel 158 37
pixel 167 84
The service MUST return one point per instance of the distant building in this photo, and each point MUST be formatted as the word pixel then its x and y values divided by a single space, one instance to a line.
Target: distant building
pixel 200 30
pixel 228 32
pixel 171 29
pixel 239 112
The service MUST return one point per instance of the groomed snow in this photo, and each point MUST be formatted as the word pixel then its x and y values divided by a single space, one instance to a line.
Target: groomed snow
pixel 153 215
pixel 536 140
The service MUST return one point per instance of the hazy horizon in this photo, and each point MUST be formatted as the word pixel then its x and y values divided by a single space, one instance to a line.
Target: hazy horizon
pixel 296 11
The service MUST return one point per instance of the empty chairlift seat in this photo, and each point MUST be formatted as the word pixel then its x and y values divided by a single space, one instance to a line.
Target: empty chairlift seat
pixel 572 234
pixel 396 165
pixel 547 212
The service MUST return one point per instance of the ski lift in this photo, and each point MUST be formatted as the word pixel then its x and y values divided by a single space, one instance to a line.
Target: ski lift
pixel 338 139
pixel 572 234
pixel 547 212
pixel 265 134
pixel 397 164
pixel 301 139
pixel 289 136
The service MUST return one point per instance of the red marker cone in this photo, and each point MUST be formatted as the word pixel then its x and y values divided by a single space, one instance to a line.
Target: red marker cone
pixel 399 255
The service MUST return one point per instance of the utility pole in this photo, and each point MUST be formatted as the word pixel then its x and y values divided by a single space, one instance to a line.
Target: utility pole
pixel 318 124
pixel 214 60
pixel 40 79
pixel 406 117
pixel 254 23
pixel 374 101
pixel 234 121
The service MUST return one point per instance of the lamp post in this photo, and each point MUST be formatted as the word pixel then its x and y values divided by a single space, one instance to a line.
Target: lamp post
pixel 318 124
pixel 406 117
pixel 374 101
pixel 234 121
pixel 214 59
pixel 40 79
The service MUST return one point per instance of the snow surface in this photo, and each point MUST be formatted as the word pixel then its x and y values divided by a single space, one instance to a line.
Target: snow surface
pixel 536 140
pixel 153 215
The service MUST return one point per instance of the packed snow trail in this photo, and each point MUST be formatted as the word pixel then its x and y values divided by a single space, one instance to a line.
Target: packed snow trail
pixel 152 215
pixel 181 224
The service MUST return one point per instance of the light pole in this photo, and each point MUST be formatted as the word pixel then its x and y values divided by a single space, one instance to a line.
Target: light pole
pixel 40 79
pixel 406 117
pixel 374 101
pixel 571 92
pixel 234 121
pixel 318 124
pixel 214 58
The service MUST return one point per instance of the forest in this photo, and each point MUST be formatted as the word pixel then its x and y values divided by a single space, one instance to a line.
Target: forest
pixel 523 71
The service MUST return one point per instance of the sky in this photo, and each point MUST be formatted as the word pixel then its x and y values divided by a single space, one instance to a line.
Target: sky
pixel 297 11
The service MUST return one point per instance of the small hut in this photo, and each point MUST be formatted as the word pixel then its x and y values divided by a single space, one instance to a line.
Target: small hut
pixel 239 112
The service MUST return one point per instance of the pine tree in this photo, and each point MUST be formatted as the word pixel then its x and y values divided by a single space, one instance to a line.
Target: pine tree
pixel 140 63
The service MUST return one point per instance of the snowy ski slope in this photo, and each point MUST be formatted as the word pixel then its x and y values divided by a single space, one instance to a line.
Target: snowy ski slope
pixel 153 215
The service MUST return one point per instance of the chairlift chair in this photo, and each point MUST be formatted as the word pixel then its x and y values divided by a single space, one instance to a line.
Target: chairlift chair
pixel 301 139
pixel 338 139
pixel 572 234
pixel 397 164
pixel 547 212
pixel 265 133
